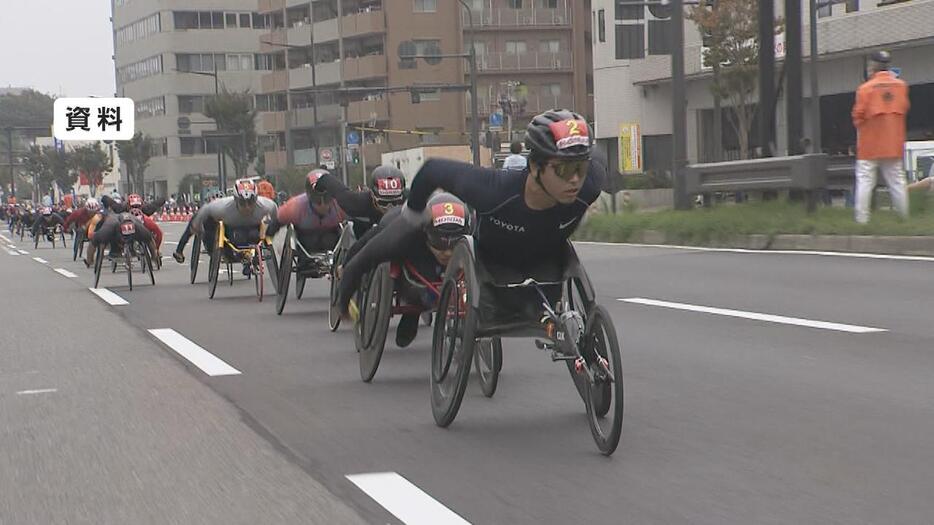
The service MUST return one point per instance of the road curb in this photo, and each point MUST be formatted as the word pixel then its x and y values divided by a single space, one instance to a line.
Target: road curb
pixel 881 244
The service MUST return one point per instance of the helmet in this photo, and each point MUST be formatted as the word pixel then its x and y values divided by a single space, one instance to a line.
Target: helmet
pixel 448 219
pixel 388 186
pixel 245 190
pixel 881 57
pixel 311 186
pixel 45 210
pixel 92 204
pixel 134 200
pixel 558 134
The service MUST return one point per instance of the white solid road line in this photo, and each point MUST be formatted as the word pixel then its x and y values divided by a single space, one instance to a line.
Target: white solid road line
pixel 855 255
pixel 206 361
pixel 40 391
pixel 824 325
pixel 40 260
pixel 109 297
pixel 404 500
pixel 65 272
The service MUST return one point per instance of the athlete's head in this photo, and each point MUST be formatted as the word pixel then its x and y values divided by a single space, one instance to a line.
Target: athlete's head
pixel 388 187
pixel 318 198
pixel 447 221
pixel 560 145
pixel 245 195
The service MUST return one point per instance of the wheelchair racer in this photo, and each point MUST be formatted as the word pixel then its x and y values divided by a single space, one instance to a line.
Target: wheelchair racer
pixel 427 249
pixel 367 207
pixel 108 232
pixel 314 214
pixel 525 217
pixel 45 221
pixel 243 214
pixel 135 203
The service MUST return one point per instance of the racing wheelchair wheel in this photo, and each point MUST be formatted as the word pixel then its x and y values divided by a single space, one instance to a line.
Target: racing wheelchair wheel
pixel 344 243
pixel 373 324
pixel 452 343
pixel 285 273
pixel 128 261
pixel 78 243
pixel 195 254
pixel 605 385
pixel 299 286
pixel 98 264
pixel 488 358
pixel 147 264
pixel 214 270
pixel 575 297
pixel 259 271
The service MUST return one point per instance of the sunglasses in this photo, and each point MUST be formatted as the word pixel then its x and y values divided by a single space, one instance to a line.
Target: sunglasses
pixel 443 243
pixel 567 169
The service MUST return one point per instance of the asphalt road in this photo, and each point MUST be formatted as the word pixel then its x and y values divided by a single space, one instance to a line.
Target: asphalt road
pixel 728 419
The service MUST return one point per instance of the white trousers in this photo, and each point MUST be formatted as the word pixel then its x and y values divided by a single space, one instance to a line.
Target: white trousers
pixel 866 182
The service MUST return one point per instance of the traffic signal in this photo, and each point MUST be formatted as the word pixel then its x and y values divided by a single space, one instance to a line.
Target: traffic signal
pixel 355 155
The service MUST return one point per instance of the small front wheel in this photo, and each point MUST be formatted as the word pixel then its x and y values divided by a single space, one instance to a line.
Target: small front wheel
pixel 488 359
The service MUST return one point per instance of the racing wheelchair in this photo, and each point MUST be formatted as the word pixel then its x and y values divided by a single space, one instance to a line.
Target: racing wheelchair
pixel 574 329
pixel 50 234
pixel 128 250
pixel 227 253
pixel 305 265
pixel 347 239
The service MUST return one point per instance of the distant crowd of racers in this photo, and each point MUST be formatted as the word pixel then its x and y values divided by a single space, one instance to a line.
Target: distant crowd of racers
pixel 520 222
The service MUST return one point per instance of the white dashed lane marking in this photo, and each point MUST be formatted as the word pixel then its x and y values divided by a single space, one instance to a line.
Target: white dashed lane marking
pixel 410 504
pixel 206 361
pixel 109 297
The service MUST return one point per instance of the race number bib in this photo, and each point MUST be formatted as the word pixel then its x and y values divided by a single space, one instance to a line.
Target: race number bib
pixel 448 213
pixel 389 187
pixel 570 133
pixel 127 228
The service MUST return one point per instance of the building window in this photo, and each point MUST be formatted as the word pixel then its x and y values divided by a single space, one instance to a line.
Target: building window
pixel 630 42
pixel 137 70
pixel 150 107
pixel 515 4
pixel 188 104
pixel 659 37
pixel 629 12
pixel 601 25
pixel 426 6
pixel 852 6
pixel 186 19
pixel 140 29
pixel 422 47
pixel 245 21
pixel 516 47
pixel 825 11
pixel 548 4
pixel 433 95
pixel 549 46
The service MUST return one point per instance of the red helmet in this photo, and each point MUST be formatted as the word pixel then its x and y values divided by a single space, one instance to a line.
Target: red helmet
pixel 134 200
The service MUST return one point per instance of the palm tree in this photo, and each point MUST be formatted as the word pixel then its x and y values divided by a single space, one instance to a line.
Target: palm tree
pixel 235 115
pixel 136 153
pixel 91 160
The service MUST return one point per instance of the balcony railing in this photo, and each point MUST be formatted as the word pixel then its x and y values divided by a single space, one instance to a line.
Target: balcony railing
pixel 535 104
pixel 507 17
pixel 545 60
pixel 367 110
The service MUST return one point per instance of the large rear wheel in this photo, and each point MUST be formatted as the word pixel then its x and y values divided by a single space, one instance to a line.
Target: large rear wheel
pixel 375 313
pixel 259 272
pixel 195 255
pixel 128 261
pixel 98 264
pixel 453 342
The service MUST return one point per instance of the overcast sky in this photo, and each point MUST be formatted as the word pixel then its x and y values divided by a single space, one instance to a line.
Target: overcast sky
pixel 57 46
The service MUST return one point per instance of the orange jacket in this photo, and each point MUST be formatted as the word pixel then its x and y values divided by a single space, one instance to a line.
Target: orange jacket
pixel 265 189
pixel 879 117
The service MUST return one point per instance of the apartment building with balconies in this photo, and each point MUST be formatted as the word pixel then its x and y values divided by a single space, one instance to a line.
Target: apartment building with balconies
pixel 534 54
pixel 160 49
pixel 317 47
pixel 633 81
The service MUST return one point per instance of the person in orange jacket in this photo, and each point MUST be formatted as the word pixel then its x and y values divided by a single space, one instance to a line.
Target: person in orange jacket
pixel 879 117
pixel 265 189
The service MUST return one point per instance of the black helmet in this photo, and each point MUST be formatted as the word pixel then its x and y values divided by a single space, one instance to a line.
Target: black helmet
pixel 558 134
pixel 447 220
pixel 388 186
pixel 311 185
pixel 881 57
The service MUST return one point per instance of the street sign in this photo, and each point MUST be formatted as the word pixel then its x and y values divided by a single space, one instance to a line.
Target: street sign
pixel 353 138
pixel 496 120
pixel 183 122
pixel 329 164
pixel 327 155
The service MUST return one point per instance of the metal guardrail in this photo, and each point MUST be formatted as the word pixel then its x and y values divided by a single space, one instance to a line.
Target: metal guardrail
pixel 800 172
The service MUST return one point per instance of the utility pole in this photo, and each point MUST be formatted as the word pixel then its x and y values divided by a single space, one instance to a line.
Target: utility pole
pixel 678 107
pixel 474 103
pixel 795 87
pixel 767 76
pixel 343 126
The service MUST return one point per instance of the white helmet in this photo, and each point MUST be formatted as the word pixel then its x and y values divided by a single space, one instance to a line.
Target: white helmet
pixel 92 204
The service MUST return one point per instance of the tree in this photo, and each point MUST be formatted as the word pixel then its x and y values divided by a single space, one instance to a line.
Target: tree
pixel 731 29
pixel 35 166
pixel 136 153
pixel 46 165
pixel 234 114
pixel 29 108
pixel 91 161
pixel 292 180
